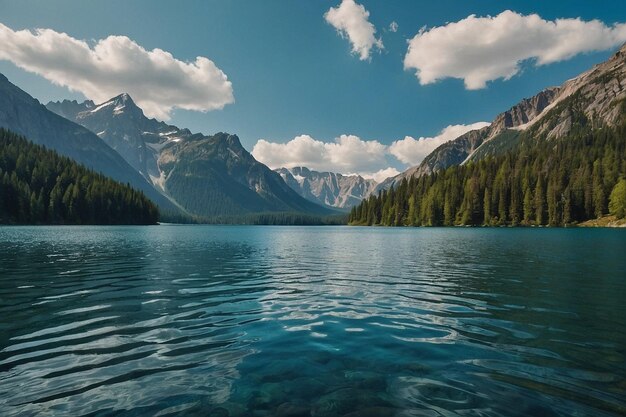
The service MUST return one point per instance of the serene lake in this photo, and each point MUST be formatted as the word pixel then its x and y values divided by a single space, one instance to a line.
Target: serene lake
pixel 319 321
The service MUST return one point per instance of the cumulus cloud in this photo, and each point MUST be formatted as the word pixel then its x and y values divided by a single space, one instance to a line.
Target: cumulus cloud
pixel 380 175
pixel 156 80
pixel 412 151
pixel 393 26
pixel 482 49
pixel 351 155
pixel 348 153
pixel 351 21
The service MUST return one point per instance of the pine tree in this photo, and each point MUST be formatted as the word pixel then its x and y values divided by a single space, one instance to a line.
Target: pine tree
pixel 617 200
pixel 540 202
pixel 599 197
pixel 567 207
pixel 529 212
pixel 487 207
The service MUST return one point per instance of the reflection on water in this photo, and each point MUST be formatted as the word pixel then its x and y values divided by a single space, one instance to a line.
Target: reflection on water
pixel 312 321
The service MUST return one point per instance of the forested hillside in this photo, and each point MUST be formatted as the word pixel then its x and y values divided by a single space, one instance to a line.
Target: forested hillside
pixel 38 186
pixel 542 181
pixel 24 115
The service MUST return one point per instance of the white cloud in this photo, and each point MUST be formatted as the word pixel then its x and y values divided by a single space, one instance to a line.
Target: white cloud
pixel 482 49
pixel 393 26
pixel 381 175
pixel 412 151
pixel 348 153
pixel 351 21
pixel 156 80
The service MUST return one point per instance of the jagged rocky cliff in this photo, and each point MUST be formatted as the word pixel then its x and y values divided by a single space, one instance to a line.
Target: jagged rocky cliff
pixel 590 97
pixel 328 188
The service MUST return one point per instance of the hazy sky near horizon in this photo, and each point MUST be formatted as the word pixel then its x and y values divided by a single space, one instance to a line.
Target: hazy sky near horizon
pixel 350 86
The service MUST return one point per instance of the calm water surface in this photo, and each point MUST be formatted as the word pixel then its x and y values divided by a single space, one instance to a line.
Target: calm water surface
pixel 312 321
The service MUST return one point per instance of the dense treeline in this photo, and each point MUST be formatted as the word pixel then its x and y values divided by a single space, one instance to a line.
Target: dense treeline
pixel 540 182
pixel 270 218
pixel 284 219
pixel 38 186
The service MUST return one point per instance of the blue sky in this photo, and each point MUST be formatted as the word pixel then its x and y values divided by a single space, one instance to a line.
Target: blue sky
pixel 292 73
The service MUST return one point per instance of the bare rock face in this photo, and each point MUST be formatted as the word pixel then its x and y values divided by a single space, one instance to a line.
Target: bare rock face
pixel 123 126
pixel 460 149
pixel 328 188
pixel 525 111
pixel 595 97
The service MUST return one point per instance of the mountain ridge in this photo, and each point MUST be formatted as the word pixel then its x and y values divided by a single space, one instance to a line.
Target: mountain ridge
pixel 557 159
pixel 26 116
pixel 206 175
pixel 595 102
pixel 328 188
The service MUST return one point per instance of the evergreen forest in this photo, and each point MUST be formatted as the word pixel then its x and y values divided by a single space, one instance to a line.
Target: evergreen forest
pixel 541 181
pixel 38 186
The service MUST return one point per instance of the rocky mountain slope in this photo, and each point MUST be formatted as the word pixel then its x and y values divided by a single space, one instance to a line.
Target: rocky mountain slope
pixel 24 115
pixel 552 113
pixel 595 97
pixel 122 125
pixel 206 175
pixel 328 188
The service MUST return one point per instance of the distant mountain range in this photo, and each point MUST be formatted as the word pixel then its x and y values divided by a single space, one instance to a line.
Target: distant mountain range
pixel 550 113
pixel 328 188
pixel 182 172
pixel 204 175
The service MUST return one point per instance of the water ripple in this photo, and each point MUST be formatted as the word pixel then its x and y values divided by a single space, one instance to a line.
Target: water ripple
pixel 331 321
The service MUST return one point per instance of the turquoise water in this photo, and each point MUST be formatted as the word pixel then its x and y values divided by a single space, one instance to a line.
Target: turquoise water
pixel 312 321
